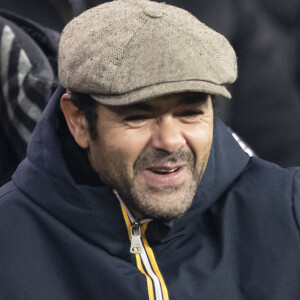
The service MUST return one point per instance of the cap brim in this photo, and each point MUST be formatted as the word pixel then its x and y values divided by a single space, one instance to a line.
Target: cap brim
pixel 162 89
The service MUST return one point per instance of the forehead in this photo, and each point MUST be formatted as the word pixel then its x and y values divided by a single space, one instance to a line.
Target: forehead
pixel 165 103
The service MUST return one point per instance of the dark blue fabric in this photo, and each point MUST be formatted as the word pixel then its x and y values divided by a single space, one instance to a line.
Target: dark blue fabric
pixel 62 240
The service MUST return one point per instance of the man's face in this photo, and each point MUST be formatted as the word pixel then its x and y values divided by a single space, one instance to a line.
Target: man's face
pixel 154 153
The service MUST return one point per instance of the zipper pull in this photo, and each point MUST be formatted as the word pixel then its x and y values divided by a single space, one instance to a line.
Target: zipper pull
pixel 136 242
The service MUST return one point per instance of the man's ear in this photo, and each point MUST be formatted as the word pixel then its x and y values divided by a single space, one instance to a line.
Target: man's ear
pixel 76 121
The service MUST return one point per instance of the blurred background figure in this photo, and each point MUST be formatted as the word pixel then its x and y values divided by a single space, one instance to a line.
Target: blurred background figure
pixel 265 107
pixel 28 78
pixel 29 36
pixel 50 13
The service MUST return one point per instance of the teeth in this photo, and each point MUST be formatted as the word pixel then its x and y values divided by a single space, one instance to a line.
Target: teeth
pixel 165 170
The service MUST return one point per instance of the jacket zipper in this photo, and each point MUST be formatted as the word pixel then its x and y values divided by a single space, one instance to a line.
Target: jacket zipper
pixel 136 241
pixel 145 259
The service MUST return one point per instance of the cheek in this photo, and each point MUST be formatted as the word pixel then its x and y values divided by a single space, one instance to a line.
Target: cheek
pixel 121 148
pixel 200 140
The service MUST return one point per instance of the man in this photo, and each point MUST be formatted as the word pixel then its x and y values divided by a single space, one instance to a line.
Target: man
pixel 132 188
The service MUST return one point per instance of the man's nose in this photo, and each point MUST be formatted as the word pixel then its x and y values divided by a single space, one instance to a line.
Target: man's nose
pixel 167 135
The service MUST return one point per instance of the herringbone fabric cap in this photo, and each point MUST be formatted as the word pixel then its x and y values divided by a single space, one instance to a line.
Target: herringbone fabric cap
pixel 128 51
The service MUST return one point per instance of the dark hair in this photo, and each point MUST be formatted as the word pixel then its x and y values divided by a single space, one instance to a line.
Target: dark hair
pixel 215 104
pixel 88 106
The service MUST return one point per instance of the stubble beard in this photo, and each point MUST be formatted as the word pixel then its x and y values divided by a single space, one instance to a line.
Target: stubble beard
pixel 160 203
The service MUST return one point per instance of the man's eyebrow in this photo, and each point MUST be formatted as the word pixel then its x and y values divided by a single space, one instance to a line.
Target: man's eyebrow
pixel 139 106
pixel 142 106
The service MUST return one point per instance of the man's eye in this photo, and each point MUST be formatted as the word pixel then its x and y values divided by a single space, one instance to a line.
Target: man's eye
pixel 191 113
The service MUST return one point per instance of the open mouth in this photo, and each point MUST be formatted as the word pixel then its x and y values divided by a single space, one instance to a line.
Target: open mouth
pixel 163 171
pixel 159 176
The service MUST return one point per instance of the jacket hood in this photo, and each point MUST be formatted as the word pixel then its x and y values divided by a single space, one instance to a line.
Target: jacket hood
pixel 44 177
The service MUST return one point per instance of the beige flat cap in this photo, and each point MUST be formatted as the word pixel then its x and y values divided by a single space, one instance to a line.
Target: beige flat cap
pixel 127 51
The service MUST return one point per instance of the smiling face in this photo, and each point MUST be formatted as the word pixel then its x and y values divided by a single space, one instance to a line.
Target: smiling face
pixel 154 153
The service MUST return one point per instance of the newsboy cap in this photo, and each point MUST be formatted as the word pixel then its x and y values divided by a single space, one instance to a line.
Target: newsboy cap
pixel 127 51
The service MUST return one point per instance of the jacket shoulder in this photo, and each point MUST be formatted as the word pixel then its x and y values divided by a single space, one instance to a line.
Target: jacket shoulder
pixel 8 191
pixel 265 176
pixel 13 202
pixel 296 196
pixel 270 192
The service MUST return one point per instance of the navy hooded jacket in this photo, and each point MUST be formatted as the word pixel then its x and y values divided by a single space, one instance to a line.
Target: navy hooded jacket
pixel 64 240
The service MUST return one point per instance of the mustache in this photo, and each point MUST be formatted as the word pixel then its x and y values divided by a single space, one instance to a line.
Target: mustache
pixel 157 157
